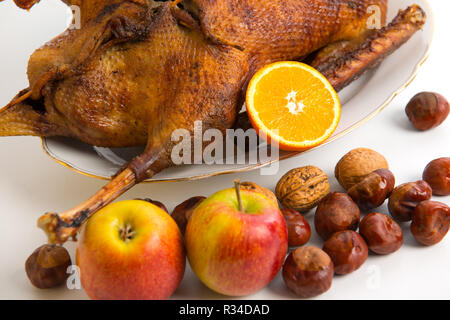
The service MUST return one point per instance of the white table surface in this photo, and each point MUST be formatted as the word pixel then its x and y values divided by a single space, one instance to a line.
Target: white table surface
pixel 31 183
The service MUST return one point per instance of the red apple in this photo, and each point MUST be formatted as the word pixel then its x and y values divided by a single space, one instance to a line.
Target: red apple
pixel 131 250
pixel 236 251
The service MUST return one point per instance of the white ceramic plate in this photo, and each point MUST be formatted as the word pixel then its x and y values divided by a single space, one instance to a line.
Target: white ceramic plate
pixel 361 101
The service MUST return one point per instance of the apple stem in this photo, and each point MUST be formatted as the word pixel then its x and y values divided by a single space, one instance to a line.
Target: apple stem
pixel 237 186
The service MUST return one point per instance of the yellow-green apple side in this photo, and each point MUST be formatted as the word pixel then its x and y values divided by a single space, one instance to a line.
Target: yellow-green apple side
pixel 236 252
pixel 131 250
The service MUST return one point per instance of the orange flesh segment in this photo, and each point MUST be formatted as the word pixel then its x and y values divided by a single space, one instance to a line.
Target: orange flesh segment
pixel 293 104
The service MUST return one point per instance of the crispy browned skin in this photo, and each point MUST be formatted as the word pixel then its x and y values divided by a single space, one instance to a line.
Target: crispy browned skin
pixel 105 83
pixel 285 30
pixel 137 70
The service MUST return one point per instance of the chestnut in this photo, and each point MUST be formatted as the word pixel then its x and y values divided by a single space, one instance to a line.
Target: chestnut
pixel 427 110
pixel 299 231
pixel 430 222
pixel 406 197
pixel 373 190
pixel 156 203
pixel 348 251
pixel 183 212
pixel 382 234
pixel 336 212
pixel 437 174
pixel 308 272
pixel 47 266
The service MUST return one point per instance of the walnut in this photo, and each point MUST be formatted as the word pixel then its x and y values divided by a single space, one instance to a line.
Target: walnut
pixel 257 188
pixel 302 189
pixel 356 165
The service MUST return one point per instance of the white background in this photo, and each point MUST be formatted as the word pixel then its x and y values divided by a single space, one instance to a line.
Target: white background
pixel 31 183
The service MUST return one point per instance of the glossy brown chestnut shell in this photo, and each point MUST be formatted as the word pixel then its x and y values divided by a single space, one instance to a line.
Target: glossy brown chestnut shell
pixel 47 266
pixel 308 272
pixel 183 212
pixel 348 251
pixel 299 231
pixel 406 197
pixel 430 222
pixel 427 110
pixel 373 190
pixel 156 203
pixel 437 174
pixel 336 212
pixel 382 234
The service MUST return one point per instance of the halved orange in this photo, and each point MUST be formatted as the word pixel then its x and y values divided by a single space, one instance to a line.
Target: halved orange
pixel 293 105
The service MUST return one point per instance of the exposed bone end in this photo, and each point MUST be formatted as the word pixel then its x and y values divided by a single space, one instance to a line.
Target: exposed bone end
pixel 56 232
pixel 26 4
pixel 63 227
pixel 416 15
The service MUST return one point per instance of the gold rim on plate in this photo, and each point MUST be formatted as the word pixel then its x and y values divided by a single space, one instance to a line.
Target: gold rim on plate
pixel 287 156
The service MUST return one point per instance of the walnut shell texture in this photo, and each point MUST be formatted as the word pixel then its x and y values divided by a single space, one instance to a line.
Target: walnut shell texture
pixel 357 164
pixel 302 189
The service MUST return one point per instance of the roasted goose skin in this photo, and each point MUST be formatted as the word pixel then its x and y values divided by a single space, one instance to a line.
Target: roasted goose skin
pixel 283 30
pixel 134 73
pixel 139 89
